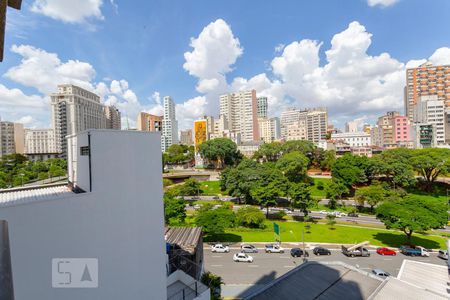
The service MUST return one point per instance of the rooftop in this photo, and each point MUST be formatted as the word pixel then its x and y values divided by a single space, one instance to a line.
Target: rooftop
pixel 320 280
pixel 17 196
pixel 186 238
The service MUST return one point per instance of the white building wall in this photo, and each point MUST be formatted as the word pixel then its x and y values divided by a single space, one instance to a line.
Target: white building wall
pixel 120 223
pixel 354 139
pixel 169 125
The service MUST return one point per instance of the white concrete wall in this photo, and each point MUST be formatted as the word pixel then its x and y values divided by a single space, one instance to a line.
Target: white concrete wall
pixel 120 223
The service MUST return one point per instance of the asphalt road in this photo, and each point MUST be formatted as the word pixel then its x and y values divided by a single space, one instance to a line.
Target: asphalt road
pixel 241 278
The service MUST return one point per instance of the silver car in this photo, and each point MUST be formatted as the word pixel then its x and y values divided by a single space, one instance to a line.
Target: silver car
pixel 381 273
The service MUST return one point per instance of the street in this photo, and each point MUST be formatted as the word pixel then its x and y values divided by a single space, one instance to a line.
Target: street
pixel 243 277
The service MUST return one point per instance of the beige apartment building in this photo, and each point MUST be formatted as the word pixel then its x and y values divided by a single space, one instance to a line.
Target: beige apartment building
pixel 11 138
pixel 240 113
pixel 113 117
pixel 40 144
pixel 186 137
pixel 308 124
pixel 149 122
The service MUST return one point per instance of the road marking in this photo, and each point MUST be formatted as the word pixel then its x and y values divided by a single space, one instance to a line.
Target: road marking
pixel 216 256
pixel 387 258
pixel 284 257
pixel 365 268
pixel 289 266
pixel 253 266
pixel 216 265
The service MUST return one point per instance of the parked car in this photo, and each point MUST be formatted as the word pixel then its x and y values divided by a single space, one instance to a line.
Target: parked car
pixel 274 248
pixel 242 257
pixel 323 212
pixel 321 251
pixel 297 252
pixel 219 248
pixel 381 273
pixel 353 215
pixel 386 251
pixel 414 251
pixel 247 248
pixel 443 254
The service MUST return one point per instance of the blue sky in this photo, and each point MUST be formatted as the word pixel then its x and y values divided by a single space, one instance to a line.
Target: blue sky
pixel 132 51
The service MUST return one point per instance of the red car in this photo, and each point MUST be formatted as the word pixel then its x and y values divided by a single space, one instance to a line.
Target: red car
pixel 386 251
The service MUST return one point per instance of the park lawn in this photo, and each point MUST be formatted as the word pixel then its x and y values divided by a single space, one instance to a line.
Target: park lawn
pixel 211 188
pixel 291 232
pixel 315 192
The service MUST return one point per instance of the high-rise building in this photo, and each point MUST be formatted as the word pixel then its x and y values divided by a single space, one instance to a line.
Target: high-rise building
pixel 73 110
pixel 113 120
pixel 426 80
pixel 351 126
pixel 240 113
pixel 149 122
pixel 385 128
pixel 40 144
pixel 261 104
pixel 422 135
pixel 430 110
pixel 169 125
pixel 289 117
pixel 317 124
pixel 186 137
pixel 11 138
pixel 269 129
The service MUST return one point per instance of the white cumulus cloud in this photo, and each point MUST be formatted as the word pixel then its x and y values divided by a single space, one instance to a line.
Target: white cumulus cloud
pixel 69 11
pixel 383 3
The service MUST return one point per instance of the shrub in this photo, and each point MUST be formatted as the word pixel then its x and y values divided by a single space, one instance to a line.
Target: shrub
pixel 249 216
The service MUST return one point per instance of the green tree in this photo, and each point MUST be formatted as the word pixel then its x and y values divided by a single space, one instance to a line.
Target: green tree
pixel 215 221
pixel 412 215
pixel 191 187
pixel 395 166
pixel 372 195
pixel 174 210
pixel 269 152
pixel 304 147
pixel 351 169
pixel 334 191
pixel 329 157
pixel 56 171
pixel 250 216
pixel 179 154
pixel 266 195
pixel 214 282
pixel 331 220
pixel 430 163
pixel 294 166
pixel 300 194
pixel 221 151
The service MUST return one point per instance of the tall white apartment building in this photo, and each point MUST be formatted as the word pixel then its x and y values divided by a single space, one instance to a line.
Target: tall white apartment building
pixel 261 104
pixel 11 138
pixel 430 110
pixel 317 124
pixel 269 129
pixel 297 131
pixel 291 116
pixel 169 125
pixel 113 120
pixel 73 110
pixel 40 144
pixel 240 113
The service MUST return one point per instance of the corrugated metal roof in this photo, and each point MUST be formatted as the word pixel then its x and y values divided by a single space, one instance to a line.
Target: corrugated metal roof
pixel 186 238
pixel 26 195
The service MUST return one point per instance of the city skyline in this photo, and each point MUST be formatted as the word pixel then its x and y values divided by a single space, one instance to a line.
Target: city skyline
pixel 297 64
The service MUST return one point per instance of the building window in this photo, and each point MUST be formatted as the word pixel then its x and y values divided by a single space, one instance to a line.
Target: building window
pixel 84 151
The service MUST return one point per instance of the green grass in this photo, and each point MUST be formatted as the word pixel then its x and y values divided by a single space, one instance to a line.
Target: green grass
pixel 291 232
pixel 315 192
pixel 211 188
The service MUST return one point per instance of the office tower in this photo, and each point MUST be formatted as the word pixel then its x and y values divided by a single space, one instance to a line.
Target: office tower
pixel 149 122
pixel 40 144
pixel 113 120
pixel 351 126
pixel 317 124
pixel 186 137
pixel 74 110
pixel 429 110
pixel 261 104
pixel 240 113
pixel 426 80
pixel 169 125
pixel 269 129
pixel 12 138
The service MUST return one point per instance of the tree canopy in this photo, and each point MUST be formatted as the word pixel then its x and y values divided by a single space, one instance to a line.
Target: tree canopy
pixel 174 210
pixel 351 169
pixel 178 154
pixel 412 215
pixel 250 216
pixel 300 194
pixel 191 187
pixel 293 165
pixel 221 152
pixel 214 221
pixel 372 195
pixel 430 163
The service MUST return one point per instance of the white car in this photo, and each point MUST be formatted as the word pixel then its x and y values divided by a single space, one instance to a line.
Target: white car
pixel 443 254
pixel 274 248
pixel 242 257
pixel 323 212
pixel 219 248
